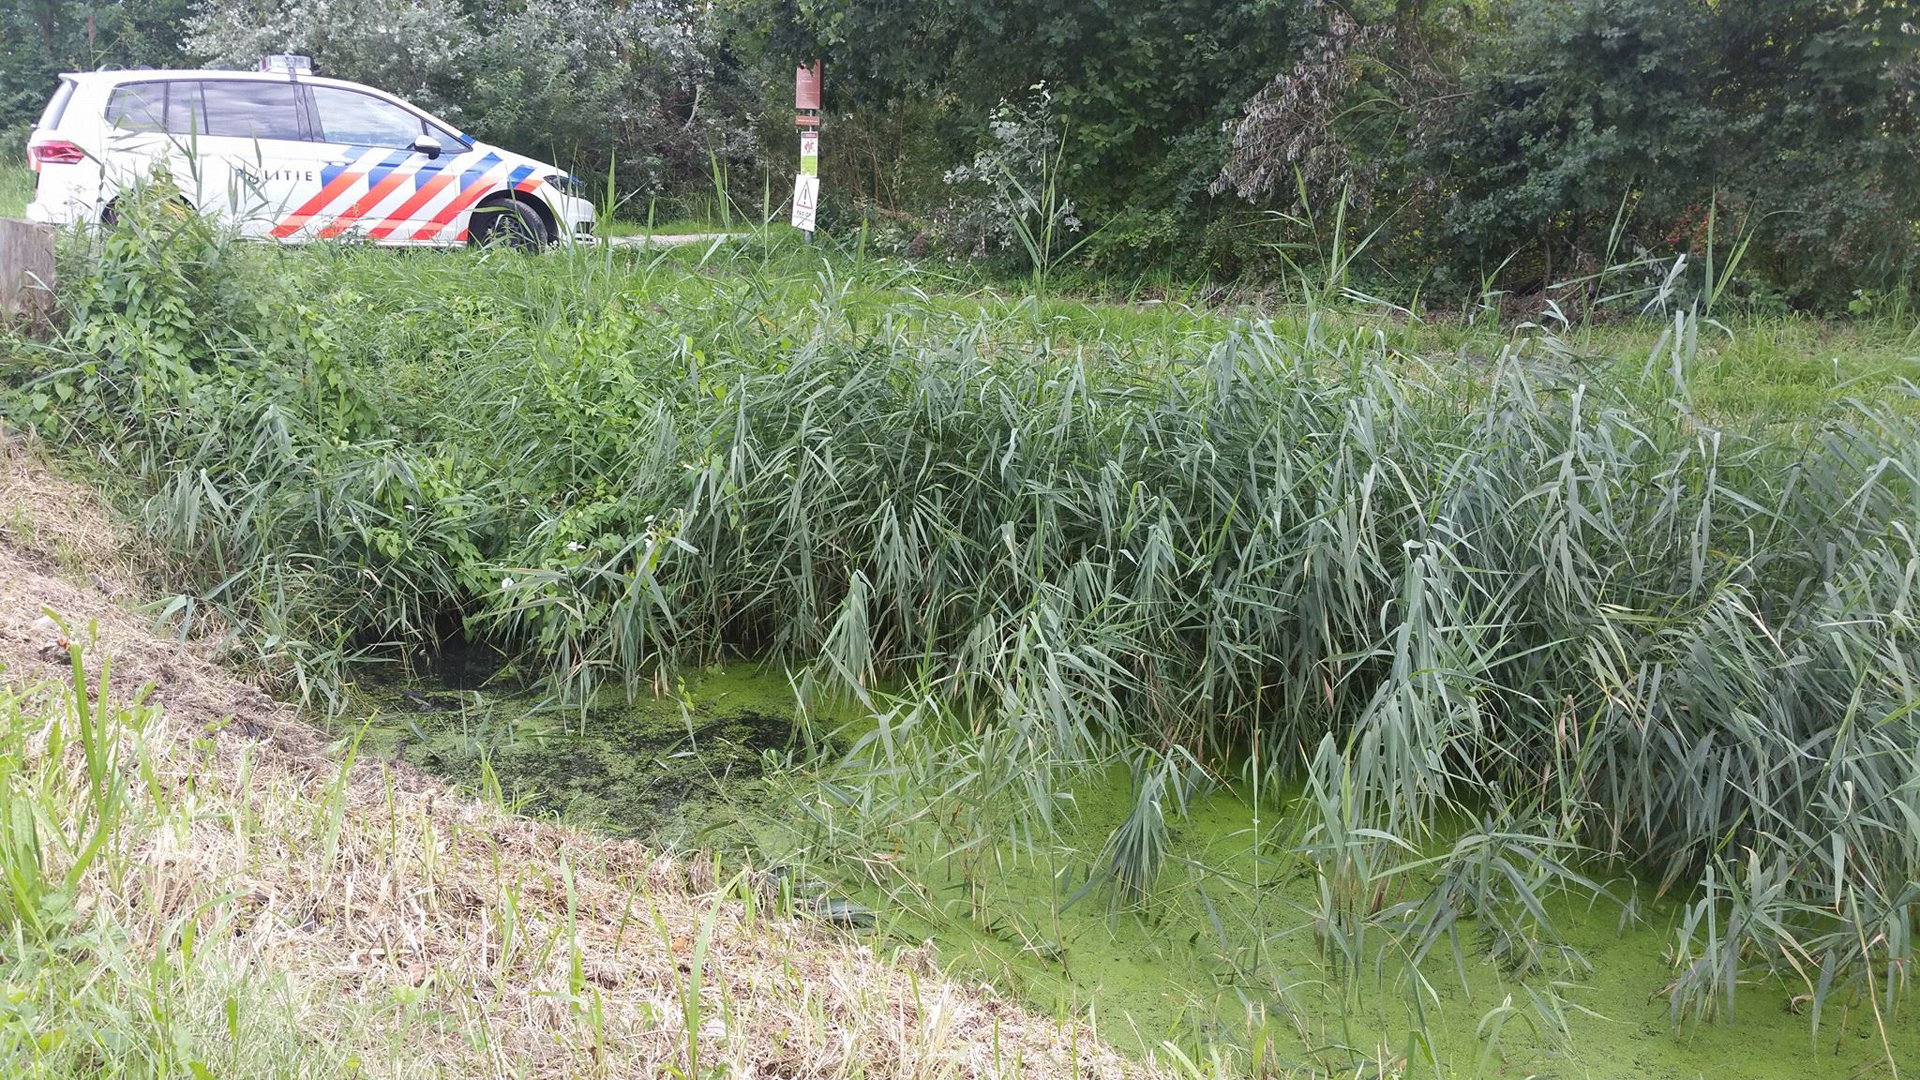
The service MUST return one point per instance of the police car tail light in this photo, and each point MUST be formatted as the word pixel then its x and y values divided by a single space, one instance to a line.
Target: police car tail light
pixel 55 152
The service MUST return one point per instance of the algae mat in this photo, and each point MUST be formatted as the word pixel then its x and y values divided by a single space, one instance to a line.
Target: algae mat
pixel 718 762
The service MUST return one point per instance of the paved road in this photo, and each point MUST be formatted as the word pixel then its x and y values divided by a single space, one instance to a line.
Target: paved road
pixel 669 239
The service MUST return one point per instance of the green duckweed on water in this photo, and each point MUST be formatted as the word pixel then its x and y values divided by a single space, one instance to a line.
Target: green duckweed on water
pixel 683 769
pixel 1229 930
pixel 1184 968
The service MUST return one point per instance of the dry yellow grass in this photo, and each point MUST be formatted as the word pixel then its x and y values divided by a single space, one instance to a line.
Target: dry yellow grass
pixel 362 919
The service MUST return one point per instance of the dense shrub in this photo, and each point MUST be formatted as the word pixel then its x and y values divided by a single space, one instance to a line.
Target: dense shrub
pixel 1490 142
pixel 1554 138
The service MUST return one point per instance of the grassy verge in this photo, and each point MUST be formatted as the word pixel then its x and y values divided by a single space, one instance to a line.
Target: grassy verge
pixel 1740 368
pixel 16 190
pixel 682 226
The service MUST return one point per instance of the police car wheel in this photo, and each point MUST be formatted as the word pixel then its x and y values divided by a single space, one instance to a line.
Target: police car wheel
pixel 511 223
pixel 110 214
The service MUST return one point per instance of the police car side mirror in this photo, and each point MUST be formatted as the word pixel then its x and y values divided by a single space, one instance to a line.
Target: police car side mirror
pixel 428 145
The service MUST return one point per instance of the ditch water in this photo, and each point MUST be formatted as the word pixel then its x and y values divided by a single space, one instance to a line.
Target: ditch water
pixel 685 771
pixel 717 764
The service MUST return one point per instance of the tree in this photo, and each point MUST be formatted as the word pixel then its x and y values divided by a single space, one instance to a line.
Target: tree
pixel 1140 87
pixel 419 50
pixel 1516 143
pixel 1794 118
pixel 586 83
pixel 39 39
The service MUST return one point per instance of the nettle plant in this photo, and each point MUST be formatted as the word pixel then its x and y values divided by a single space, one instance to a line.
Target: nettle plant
pixel 139 316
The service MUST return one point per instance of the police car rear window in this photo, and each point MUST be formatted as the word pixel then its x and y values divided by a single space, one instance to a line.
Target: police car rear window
pixel 138 107
pixel 252 110
pixel 186 109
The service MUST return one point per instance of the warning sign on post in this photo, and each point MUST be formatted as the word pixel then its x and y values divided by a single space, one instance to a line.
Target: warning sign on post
pixel 806 198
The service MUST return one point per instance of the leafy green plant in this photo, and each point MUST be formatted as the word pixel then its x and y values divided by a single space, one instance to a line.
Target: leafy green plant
pixel 1015 195
pixel 44 851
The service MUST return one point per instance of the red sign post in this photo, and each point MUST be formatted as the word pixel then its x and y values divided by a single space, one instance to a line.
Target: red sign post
pixel 806 184
pixel 806 88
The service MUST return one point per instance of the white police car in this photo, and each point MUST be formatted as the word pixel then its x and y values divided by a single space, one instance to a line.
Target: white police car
pixel 288 156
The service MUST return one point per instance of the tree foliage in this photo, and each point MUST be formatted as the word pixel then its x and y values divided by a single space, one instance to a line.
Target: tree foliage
pixel 1500 135
pixel 1793 118
pixel 589 84
pixel 41 38
pixel 1141 89
pixel 1503 135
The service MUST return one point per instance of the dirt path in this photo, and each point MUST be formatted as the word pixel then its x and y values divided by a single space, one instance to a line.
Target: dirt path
pixel 60 554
